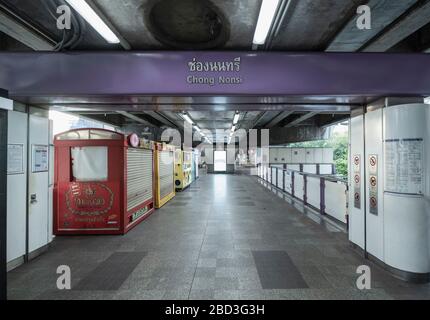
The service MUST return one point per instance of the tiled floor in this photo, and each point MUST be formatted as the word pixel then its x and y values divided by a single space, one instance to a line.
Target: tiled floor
pixel 226 237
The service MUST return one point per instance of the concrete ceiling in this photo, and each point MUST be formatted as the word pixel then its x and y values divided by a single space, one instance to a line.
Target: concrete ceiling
pixel 303 25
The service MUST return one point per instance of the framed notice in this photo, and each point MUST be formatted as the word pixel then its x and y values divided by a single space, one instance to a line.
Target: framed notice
pixel 15 159
pixel 404 166
pixel 39 158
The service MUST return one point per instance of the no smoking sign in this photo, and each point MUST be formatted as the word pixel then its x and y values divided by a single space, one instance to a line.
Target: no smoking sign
pixel 373 161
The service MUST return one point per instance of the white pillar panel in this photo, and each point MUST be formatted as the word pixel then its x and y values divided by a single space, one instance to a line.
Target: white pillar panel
pixel 309 157
pixel 356 215
pixel 407 215
pixel 38 220
pixel 274 152
pixel 310 168
pixel 288 155
pixel 374 222
pixel 283 155
pixel 298 155
pixel 318 155
pixel 16 185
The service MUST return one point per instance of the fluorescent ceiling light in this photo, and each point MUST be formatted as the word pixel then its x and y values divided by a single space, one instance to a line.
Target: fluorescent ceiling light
pixel 265 18
pixel 187 118
pixel 427 100
pixel 197 128
pixel 236 118
pixel 88 13
pixel 233 128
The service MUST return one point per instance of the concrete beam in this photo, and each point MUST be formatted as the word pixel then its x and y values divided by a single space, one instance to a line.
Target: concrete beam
pixel 278 118
pixel 282 136
pixel 135 118
pixel 301 119
pixel 384 12
pixel 413 20
pixel 159 117
pixel 173 117
pixel 263 118
pixel 23 32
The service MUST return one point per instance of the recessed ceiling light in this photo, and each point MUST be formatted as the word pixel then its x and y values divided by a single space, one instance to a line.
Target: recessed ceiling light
pixel 88 13
pixel 265 18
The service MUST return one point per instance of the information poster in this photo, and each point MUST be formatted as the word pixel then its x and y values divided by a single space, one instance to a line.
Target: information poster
pixel 15 159
pixel 39 158
pixel 404 172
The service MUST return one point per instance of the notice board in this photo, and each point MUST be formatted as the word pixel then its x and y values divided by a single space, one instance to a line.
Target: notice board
pixel 404 166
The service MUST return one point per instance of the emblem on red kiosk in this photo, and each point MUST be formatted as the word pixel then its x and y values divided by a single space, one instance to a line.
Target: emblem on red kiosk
pixel 133 140
pixel 89 199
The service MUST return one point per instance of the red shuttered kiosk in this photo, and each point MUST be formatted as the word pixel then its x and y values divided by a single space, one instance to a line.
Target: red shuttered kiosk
pixel 103 182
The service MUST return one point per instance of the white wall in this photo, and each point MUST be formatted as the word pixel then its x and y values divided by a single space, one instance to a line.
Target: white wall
pixel 16 187
pixel 313 188
pixel 399 235
pixel 407 217
pixel 356 215
pixel 374 223
pixel 301 155
pixel 18 201
pixel 336 200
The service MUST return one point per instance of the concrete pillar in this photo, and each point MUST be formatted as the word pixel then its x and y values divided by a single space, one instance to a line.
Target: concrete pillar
pixel 389 183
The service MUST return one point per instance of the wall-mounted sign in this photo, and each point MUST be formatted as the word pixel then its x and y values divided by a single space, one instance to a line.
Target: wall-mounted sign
pixel 133 140
pixel 373 184
pixel 213 73
pixel 404 166
pixel 15 159
pixel 357 181
pixel 39 158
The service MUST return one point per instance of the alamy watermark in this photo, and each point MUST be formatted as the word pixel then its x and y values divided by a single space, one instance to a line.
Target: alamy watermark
pixel 364 20
pixel 64 281
pixel 364 280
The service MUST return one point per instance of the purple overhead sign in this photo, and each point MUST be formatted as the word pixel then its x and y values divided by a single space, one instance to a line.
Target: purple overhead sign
pixel 213 73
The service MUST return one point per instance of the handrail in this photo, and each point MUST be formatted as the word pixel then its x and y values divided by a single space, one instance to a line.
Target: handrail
pixel 319 199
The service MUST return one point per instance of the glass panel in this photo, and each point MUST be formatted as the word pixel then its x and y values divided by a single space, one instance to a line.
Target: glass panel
pixel 90 163
pixel 74 135
pixel 104 135
pixel 88 134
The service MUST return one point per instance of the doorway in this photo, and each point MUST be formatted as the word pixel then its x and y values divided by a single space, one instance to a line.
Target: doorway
pixel 220 161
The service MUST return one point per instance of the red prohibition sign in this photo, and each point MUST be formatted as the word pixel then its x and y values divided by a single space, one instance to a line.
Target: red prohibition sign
pixel 373 161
